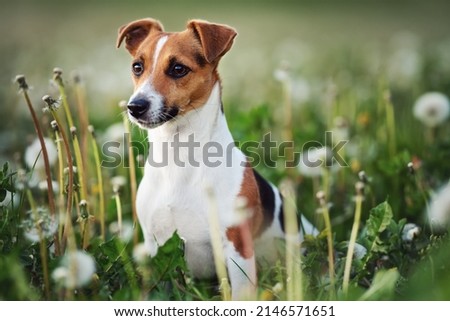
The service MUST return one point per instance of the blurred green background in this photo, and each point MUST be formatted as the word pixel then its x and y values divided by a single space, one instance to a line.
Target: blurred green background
pixel 80 35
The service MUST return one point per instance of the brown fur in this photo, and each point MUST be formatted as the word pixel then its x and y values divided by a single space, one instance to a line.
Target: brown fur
pixel 242 235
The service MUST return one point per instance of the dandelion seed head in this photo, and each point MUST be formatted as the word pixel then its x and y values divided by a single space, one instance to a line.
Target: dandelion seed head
pixel 410 232
pixel 91 130
pixel 282 73
pixel 340 130
pixel 124 232
pixel 66 170
pixel 76 270
pixel 38 225
pixel 140 253
pixel 438 211
pixel 114 133
pixel 117 182
pixel 314 161
pixel 320 195
pixel 43 186
pixel 51 104
pixel 34 151
pixel 20 79
pixel 359 187
pixel 363 177
pixel 432 109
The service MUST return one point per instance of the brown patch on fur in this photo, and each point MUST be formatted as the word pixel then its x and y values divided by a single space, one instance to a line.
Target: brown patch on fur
pixel 242 235
pixel 136 31
pixel 193 90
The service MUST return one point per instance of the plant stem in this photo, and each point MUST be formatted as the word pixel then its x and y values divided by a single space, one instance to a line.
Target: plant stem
pixel 99 181
pixel 352 242
pixel 83 117
pixel 51 202
pixel 42 244
pixel 70 178
pixel 119 211
pixel 132 173
pixel 327 221
pixel 293 253
pixel 390 123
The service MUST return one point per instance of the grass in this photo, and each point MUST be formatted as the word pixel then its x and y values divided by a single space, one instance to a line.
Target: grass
pixel 362 251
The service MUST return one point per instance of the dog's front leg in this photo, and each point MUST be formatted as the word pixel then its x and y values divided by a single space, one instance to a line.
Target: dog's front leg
pixel 241 263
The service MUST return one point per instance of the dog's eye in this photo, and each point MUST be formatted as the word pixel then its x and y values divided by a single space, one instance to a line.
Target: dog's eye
pixel 178 71
pixel 137 68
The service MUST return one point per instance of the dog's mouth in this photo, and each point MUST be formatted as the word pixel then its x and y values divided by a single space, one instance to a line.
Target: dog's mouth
pixel 156 119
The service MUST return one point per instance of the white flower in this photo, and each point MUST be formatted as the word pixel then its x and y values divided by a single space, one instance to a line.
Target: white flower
pixel 315 160
pixel 410 232
pixel 76 270
pixel 140 253
pixel 432 108
pixel 438 211
pixel 47 225
pixel 34 151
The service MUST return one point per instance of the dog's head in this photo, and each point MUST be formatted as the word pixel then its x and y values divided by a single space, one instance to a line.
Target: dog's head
pixel 173 73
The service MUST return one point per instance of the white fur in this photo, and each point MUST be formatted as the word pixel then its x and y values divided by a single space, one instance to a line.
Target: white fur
pixel 173 198
pixel 159 45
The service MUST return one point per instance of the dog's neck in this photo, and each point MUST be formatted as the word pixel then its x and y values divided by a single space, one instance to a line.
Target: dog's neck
pixel 206 123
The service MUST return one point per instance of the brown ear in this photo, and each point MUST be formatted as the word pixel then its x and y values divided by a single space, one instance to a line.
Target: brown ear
pixel 136 31
pixel 216 39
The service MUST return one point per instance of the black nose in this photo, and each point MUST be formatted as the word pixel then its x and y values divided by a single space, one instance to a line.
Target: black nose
pixel 138 107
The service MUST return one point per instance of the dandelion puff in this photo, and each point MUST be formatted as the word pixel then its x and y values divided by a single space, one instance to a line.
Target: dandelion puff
pixel 42 185
pixel 140 253
pixel 76 270
pixel 125 232
pixel 114 133
pixel 432 109
pixel 410 232
pixel 44 225
pixel 117 182
pixel 438 211
pixel 301 90
pixel 34 151
pixel 282 74
pixel 340 129
pixel 314 161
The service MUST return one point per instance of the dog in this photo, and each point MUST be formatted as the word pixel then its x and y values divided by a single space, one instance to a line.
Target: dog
pixel 177 99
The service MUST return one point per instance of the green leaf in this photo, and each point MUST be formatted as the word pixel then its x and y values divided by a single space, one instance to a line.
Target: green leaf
pixel 379 219
pixel 169 260
pixel 383 285
pixel 2 194
pixel 5 167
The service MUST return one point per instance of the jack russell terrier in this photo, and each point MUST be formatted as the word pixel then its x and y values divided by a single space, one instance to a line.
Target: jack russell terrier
pixel 177 98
